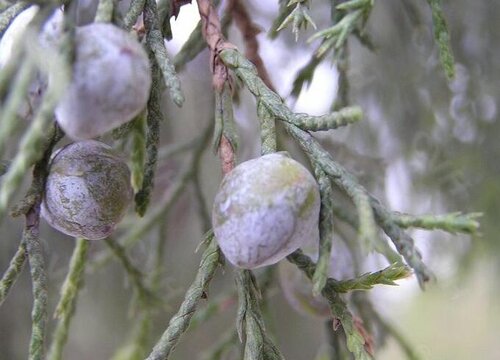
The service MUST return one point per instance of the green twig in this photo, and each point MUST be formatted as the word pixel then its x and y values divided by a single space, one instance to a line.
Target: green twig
pixel 442 37
pixel 298 17
pixel 133 13
pixel 194 45
pixel 334 120
pixel 138 151
pixel 325 232
pixel 267 130
pixel 13 271
pixel 17 94
pixel 366 205
pixel 67 301
pixel 154 39
pixel 165 13
pixel 452 223
pixel 355 342
pixel 284 12
pixel 367 281
pixel 380 245
pixel 39 281
pixel 247 72
pixel 154 117
pixel 180 321
pixel 249 322
pixel 347 182
pixel 224 118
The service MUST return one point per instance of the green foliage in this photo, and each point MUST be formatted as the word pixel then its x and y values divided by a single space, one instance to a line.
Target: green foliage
pixel 67 302
pixel 298 17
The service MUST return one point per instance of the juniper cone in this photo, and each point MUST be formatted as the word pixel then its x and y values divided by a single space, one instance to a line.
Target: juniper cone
pixel 87 190
pixel 110 84
pixel 265 209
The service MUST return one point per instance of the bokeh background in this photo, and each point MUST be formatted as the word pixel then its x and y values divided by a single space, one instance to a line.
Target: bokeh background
pixel 426 145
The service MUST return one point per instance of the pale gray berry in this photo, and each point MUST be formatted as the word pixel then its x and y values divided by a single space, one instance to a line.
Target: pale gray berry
pixel 87 190
pixel 110 84
pixel 265 209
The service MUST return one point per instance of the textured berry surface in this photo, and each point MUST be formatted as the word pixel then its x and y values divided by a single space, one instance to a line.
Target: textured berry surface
pixel 110 84
pixel 265 209
pixel 87 191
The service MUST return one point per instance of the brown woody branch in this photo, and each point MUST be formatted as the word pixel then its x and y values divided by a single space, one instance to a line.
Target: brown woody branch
pixel 249 30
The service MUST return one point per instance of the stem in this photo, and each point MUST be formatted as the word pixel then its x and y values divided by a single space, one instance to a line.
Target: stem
pixel 180 321
pixel 67 303
pixel 13 271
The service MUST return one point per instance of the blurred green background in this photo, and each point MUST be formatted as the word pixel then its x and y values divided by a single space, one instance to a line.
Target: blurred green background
pixel 425 146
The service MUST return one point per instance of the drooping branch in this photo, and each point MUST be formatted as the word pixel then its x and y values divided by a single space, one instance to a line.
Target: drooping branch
pixel 180 321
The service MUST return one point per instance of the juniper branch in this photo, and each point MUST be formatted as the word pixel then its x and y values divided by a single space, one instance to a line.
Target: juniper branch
pixel 195 44
pixel 284 12
pixel 442 37
pixel 247 72
pixel 325 232
pixel 17 94
pixel 452 223
pixel 154 39
pixel 355 341
pixel 298 18
pixel 154 117
pixel 179 323
pixel 267 130
pixel 334 120
pixel 250 323
pixel 13 271
pixel 366 205
pixel 39 282
pixel 133 13
pixel 67 301
pixel 403 242
pixel 138 151
pixel 249 31
pixel 367 281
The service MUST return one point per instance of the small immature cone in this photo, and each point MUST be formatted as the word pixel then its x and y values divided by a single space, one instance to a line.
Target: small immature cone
pixel 265 209
pixel 110 84
pixel 87 191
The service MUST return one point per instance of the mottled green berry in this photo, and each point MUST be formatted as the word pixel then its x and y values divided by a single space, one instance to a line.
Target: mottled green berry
pixel 265 209
pixel 87 190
